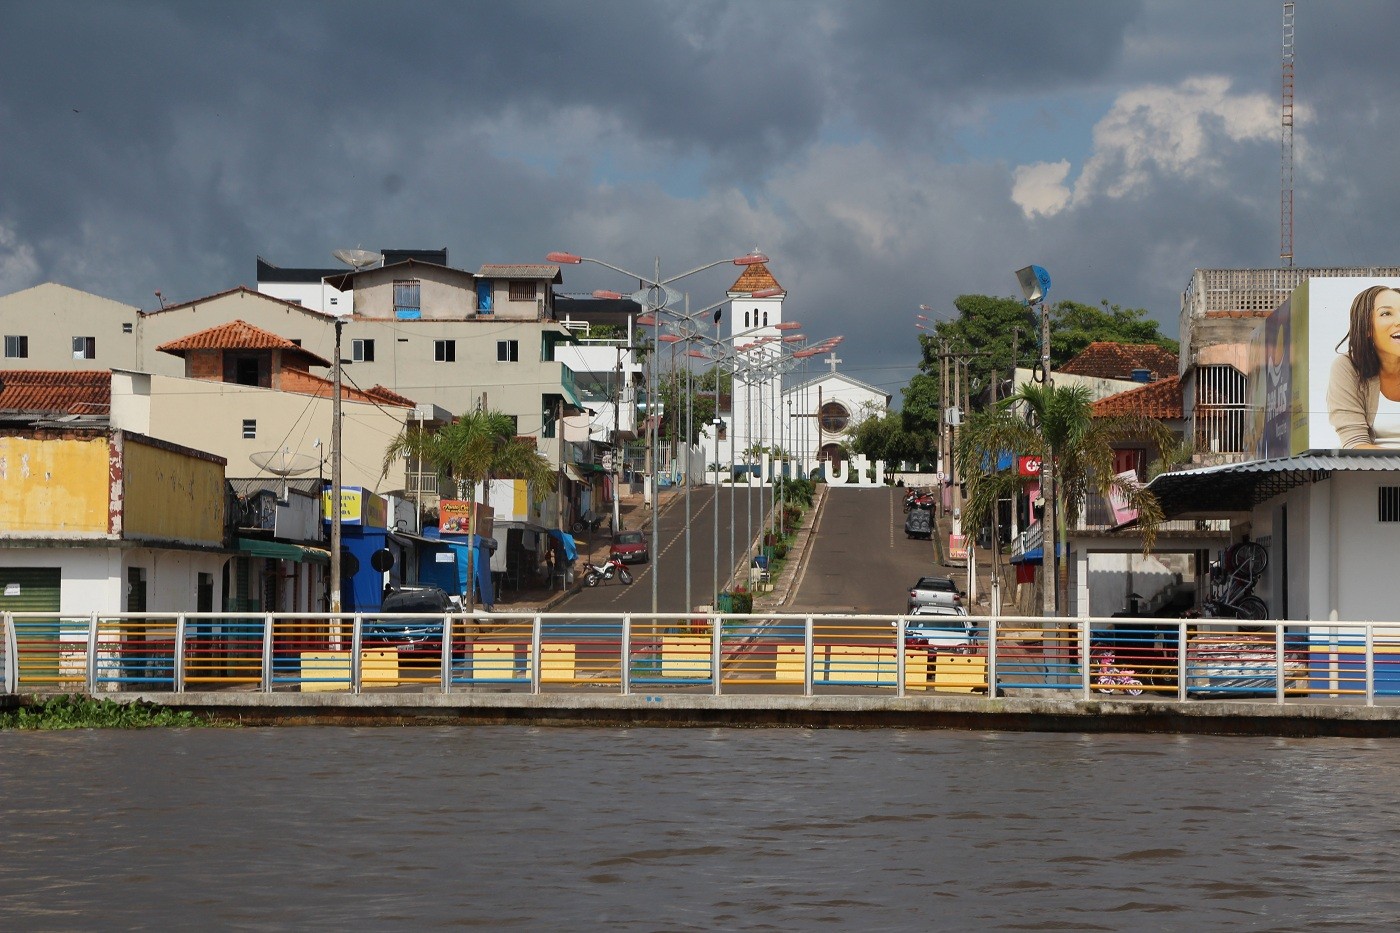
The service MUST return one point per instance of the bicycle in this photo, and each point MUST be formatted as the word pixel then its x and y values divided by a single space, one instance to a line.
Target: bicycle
pixel 1232 580
pixel 1110 677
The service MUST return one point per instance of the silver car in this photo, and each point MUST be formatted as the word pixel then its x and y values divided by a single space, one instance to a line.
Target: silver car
pixel 935 591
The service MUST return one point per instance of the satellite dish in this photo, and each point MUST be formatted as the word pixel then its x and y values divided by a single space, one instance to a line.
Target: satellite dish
pixel 357 259
pixel 284 463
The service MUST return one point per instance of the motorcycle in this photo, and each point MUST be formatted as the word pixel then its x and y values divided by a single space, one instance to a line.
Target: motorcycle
pixel 592 573
pixel 588 522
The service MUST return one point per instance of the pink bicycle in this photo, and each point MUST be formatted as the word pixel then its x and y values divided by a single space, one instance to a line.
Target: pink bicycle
pixel 1112 677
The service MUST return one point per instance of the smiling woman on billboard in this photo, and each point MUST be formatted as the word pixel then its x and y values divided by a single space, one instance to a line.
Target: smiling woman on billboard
pixel 1363 393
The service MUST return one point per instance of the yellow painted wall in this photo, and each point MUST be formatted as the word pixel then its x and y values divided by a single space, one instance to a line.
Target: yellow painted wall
pixel 53 486
pixel 171 496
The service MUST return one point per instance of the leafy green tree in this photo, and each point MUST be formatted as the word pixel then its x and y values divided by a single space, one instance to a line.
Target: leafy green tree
pixel 671 390
pixel 1004 333
pixel 476 448
pixel 1058 425
pixel 1073 326
pixel 886 438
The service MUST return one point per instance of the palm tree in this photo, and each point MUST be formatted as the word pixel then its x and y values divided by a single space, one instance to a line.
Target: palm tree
pixel 476 448
pixel 1059 425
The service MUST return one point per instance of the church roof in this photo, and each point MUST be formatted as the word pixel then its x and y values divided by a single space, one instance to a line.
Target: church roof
pixel 754 278
pixel 842 377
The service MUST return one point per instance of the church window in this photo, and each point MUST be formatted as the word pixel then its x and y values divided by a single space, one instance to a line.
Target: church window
pixel 835 417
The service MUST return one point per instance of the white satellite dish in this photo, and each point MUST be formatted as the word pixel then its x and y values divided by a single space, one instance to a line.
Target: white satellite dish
pixel 284 463
pixel 357 259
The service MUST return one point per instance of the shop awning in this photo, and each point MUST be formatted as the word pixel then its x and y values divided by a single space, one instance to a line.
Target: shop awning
pixel 279 550
pixel 1238 487
pixel 573 473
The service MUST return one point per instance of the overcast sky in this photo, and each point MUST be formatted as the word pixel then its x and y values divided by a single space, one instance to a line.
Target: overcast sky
pixel 883 154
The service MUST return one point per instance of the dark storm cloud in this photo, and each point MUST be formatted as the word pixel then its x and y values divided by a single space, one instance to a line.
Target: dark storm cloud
pixel 150 145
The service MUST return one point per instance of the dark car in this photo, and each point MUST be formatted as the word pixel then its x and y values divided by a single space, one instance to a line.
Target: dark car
pixel 630 547
pixel 410 635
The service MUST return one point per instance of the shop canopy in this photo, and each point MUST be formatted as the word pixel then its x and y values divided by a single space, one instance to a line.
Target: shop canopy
pixel 279 550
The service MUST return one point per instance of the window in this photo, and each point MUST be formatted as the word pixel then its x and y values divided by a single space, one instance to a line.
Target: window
pixel 84 348
pixel 522 291
pixel 746 320
pixel 250 428
pixel 1390 504
pixel 765 317
pixel 362 351
pixel 126 328
pixel 16 347
pixel 507 351
pixel 445 351
pixel 835 417
pixel 406 300
pixel 483 298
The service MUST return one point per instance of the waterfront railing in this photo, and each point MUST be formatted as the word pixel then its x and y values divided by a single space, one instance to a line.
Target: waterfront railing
pixel 1133 660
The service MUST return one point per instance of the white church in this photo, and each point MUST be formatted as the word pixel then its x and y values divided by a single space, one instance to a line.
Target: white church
pixel 776 402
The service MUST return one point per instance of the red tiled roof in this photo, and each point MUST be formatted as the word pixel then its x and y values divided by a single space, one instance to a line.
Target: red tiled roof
pixel 237 335
pixel 84 392
pixel 1160 400
pixel 1103 359
pixel 304 383
pixel 754 278
pixel 385 394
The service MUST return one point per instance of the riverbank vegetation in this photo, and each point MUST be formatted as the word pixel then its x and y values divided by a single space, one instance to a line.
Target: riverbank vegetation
pixel 70 711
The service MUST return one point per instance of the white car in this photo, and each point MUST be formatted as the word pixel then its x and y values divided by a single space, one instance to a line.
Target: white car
pixel 941 627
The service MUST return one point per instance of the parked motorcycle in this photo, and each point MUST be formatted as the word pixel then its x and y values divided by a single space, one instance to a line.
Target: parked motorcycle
pixel 588 522
pixel 592 573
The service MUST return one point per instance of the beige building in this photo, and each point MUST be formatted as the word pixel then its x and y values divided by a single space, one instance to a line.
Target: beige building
pixel 57 328
pixel 244 392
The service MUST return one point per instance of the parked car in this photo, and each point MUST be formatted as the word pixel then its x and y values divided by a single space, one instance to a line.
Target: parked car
pixel 935 591
pixel 942 627
pixel 412 636
pixel 630 547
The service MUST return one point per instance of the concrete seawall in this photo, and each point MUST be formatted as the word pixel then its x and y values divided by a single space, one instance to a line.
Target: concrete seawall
pixel 1017 714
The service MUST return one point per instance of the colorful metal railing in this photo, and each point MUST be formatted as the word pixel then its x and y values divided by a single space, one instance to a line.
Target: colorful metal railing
pixel 1134 660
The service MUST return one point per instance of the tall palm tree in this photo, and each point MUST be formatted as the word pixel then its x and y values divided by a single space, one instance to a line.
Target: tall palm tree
pixel 1057 424
pixel 476 448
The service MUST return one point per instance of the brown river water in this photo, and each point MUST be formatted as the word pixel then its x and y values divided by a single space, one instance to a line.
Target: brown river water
pixel 694 829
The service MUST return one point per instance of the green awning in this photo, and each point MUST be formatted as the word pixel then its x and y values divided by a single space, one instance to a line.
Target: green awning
pixel 278 550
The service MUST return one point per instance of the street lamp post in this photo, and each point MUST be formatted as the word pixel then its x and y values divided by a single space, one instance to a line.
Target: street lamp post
pixel 1035 285
pixel 655 296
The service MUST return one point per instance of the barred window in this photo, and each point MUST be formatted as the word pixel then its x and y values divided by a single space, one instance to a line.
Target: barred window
pixel 522 291
pixel 1390 503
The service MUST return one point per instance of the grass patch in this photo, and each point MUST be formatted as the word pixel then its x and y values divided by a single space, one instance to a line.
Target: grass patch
pixel 71 711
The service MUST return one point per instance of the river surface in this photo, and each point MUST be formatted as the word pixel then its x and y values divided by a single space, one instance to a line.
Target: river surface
pixel 694 829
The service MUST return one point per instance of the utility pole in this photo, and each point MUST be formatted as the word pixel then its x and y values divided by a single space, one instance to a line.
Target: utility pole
pixel 1047 483
pixel 335 476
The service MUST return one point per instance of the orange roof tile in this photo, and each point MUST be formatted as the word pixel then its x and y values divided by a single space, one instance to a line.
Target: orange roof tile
pixel 83 392
pixel 1160 400
pixel 237 335
pixel 1107 360
pixel 304 383
pixel 754 278
pixel 386 394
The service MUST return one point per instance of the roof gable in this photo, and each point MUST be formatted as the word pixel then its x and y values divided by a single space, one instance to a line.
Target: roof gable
pixel 544 271
pixel 244 292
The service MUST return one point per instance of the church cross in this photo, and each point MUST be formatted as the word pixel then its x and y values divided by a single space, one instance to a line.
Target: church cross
pixel 832 361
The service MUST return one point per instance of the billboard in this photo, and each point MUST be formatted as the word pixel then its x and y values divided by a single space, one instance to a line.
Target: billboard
pixel 1326 368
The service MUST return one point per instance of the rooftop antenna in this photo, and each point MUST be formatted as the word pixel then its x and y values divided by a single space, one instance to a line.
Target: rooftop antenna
pixel 1285 253
pixel 357 259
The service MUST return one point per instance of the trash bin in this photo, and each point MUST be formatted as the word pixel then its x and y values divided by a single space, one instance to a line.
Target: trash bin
pixel 725 602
